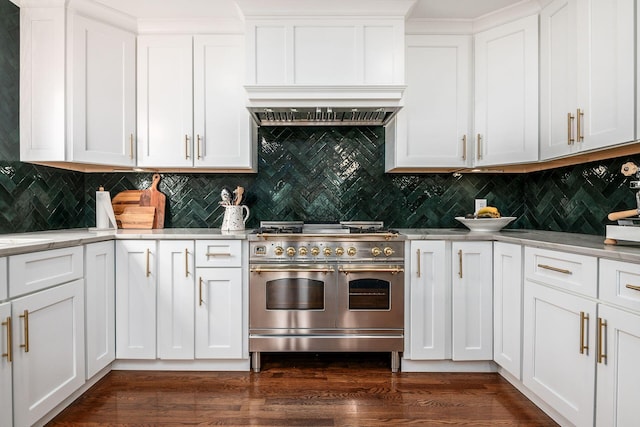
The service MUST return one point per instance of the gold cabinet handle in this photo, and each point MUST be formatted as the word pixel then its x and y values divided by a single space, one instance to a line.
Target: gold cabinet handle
pixel 632 287
pixel 200 291
pixel 570 139
pixel 464 147
pixel 198 146
pixel 602 330
pixel 479 138
pixel 419 262
pixel 9 352
pixel 584 318
pixel 148 272
pixel 186 262
pixel 579 117
pixel 214 254
pixel 460 262
pixel 552 268
pixel 186 147
pixel 25 316
pixel 131 146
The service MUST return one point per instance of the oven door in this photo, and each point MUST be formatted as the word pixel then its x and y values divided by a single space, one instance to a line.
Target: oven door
pixel 292 296
pixel 370 296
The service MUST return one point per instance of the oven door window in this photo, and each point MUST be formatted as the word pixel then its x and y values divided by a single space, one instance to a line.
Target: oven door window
pixel 369 294
pixel 295 294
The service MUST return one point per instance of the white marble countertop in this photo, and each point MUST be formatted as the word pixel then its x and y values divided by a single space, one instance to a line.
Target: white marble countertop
pixel 11 244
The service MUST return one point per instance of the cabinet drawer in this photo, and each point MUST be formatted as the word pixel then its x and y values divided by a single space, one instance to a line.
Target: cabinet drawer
pixel 620 283
pixel 3 279
pixel 577 273
pixel 218 253
pixel 38 270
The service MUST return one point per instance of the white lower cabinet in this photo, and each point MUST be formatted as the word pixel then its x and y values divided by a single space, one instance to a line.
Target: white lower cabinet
pixel 559 350
pixel 472 301
pixel 100 307
pixel 48 350
pixel 136 282
pixel 6 395
pixel 507 306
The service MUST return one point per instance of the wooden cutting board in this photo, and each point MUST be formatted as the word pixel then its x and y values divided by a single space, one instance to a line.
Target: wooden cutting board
pixel 136 217
pixel 153 197
pixel 125 199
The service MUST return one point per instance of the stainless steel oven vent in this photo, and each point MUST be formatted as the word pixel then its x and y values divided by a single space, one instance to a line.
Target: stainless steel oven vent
pixel 323 116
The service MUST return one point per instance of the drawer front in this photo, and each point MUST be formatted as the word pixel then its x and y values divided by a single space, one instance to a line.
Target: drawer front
pixel 38 270
pixel 577 273
pixel 218 253
pixel 620 283
pixel 4 287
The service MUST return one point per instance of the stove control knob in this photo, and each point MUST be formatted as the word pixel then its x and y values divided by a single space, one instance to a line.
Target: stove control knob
pixel 303 251
pixel 339 251
pixel 388 251
pixel 278 250
pixel 291 251
pixel 351 251
pixel 315 251
pixel 327 251
pixel 376 251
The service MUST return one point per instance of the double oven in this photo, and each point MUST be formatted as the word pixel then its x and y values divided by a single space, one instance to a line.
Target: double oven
pixel 326 288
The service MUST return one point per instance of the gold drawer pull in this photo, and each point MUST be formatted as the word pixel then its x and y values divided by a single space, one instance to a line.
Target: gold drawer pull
pixel 25 316
pixel 148 267
pixel 419 261
pixel 464 148
pixel 570 139
pixel 632 287
pixel 602 330
pixel 186 262
pixel 210 254
pixel 552 268
pixel 200 291
pixel 460 263
pixel 584 317
pixel 9 340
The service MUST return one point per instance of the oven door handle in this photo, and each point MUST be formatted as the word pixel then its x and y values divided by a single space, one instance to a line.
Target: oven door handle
pixel 290 269
pixel 395 269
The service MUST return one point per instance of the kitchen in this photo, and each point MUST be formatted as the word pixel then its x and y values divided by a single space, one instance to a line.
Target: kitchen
pixel 293 182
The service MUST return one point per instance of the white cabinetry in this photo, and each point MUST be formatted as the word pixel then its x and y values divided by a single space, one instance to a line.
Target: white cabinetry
pixel 506 94
pixel 48 356
pixel 587 51
pixel 77 88
pixel 176 292
pixel 6 354
pixel 136 282
pixel 100 306
pixel 430 324
pixel 507 306
pixel 4 287
pixel 472 300
pixel 433 127
pixel 191 103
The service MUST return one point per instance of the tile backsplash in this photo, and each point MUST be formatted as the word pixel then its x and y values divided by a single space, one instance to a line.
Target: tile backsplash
pixel 304 173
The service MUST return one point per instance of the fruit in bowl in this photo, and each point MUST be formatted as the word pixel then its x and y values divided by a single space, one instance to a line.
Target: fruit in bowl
pixel 486 219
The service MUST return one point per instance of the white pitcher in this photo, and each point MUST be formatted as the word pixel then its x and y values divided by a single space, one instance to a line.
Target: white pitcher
pixel 233 219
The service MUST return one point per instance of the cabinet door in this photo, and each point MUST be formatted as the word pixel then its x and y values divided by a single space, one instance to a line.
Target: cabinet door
pixel 219 313
pixel 430 324
pixel 49 365
pixel 4 286
pixel 100 295
pixel 618 371
pixel 472 301
pixel 176 282
pixel 507 306
pixel 558 58
pixel 223 129
pixel 605 72
pixel 432 129
pixel 559 350
pixel 6 354
pixel 506 93
pixel 165 101
pixel 104 98
pixel 136 299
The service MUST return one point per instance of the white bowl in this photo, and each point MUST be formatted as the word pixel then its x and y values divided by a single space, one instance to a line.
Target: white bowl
pixel 486 224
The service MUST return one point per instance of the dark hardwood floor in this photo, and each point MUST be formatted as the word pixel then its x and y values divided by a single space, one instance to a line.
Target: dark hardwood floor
pixel 303 390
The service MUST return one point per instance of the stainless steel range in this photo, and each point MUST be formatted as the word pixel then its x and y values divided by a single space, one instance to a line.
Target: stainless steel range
pixel 326 288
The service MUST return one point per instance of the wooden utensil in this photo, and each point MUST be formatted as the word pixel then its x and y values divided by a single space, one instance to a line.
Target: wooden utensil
pixel 238 193
pixel 136 217
pixel 153 197
pixel 125 199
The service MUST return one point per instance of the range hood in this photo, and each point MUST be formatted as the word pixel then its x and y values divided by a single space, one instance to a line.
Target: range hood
pixel 323 105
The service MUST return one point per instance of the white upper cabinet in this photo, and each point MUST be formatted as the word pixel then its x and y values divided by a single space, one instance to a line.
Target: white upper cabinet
pixel 191 103
pixel 432 129
pixel 77 88
pixel 506 94
pixel 587 92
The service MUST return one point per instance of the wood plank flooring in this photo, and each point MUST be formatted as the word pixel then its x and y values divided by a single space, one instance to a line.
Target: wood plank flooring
pixel 303 390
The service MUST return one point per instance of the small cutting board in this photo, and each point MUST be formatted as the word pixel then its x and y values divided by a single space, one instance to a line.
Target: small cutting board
pixel 153 197
pixel 125 199
pixel 136 217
